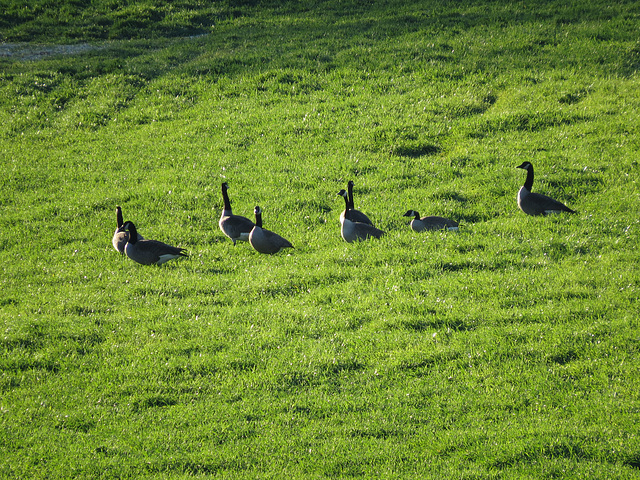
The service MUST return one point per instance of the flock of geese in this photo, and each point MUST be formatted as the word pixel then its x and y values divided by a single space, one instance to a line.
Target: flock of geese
pixel 355 225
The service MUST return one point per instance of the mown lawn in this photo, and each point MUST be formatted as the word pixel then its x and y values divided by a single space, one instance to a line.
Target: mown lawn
pixel 508 349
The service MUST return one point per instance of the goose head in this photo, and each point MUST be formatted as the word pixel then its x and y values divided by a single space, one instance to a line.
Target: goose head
pixel 131 228
pixel 525 166
pixel 258 213
pixel 411 213
pixel 344 194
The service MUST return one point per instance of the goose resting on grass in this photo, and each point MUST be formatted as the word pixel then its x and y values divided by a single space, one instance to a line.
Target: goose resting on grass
pixel 120 237
pixel 266 241
pixel 536 203
pixel 354 215
pixel 430 223
pixel 236 227
pixel 352 231
pixel 149 252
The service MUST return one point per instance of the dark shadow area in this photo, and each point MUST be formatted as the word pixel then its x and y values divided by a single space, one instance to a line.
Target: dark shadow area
pixel 415 151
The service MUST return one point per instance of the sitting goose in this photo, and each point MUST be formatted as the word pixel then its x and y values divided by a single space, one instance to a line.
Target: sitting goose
pixel 266 241
pixel 149 252
pixel 355 215
pixel 352 231
pixel 120 237
pixel 430 223
pixel 236 227
pixel 536 203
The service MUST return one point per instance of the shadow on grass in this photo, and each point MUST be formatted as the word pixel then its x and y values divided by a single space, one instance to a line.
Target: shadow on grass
pixel 322 374
pixel 415 151
pixel 153 401
pixel 429 324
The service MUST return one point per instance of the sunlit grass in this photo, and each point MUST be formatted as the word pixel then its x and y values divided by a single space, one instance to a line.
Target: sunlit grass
pixel 507 349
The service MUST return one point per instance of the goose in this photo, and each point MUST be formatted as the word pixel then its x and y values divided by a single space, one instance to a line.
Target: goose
pixel 120 237
pixel 430 223
pixel 149 252
pixel 536 203
pixel 266 241
pixel 352 231
pixel 355 215
pixel 236 227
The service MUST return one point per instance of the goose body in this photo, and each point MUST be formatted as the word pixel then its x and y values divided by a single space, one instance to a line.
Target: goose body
pixel 537 203
pixel 354 215
pixel 430 223
pixel 354 231
pixel 236 227
pixel 149 252
pixel 266 241
pixel 120 237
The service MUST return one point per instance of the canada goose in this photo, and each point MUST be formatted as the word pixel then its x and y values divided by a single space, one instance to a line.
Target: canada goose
pixel 430 223
pixel 120 236
pixel 355 215
pixel 266 241
pixel 236 227
pixel 536 203
pixel 352 231
pixel 149 252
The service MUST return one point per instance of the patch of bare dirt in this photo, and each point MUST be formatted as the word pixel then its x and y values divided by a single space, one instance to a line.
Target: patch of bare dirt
pixel 29 51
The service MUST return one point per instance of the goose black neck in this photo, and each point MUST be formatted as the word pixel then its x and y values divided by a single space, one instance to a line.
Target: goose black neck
pixel 119 218
pixel 528 183
pixel 347 205
pixel 225 197
pixel 133 234
pixel 259 220
pixel 350 190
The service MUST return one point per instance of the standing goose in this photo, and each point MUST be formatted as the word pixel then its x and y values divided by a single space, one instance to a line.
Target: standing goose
pixel 536 203
pixel 120 236
pixel 236 227
pixel 355 215
pixel 352 231
pixel 430 223
pixel 149 252
pixel 266 241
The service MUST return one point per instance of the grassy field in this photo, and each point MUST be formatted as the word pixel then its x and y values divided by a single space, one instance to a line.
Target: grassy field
pixel 506 350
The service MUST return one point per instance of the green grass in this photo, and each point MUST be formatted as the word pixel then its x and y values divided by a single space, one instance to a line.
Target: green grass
pixel 506 350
